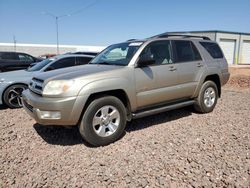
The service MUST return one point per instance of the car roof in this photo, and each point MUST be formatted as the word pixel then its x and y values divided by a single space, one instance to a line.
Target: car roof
pixel 70 55
pixel 13 52
pixel 168 36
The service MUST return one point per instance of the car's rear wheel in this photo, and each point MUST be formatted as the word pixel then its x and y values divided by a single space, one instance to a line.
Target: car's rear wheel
pixel 103 121
pixel 13 94
pixel 207 98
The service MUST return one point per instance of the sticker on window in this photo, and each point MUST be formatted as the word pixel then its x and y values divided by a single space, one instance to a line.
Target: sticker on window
pixel 135 44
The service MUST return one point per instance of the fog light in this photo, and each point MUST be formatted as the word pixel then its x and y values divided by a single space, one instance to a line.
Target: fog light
pixel 49 114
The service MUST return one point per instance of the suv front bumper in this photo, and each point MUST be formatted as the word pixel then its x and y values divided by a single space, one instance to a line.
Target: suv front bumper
pixel 53 111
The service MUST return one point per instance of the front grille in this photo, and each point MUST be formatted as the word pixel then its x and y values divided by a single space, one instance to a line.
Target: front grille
pixel 36 86
pixel 30 108
pixel 37 80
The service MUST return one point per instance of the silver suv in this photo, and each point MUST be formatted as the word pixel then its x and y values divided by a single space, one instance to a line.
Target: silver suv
pixel 129 80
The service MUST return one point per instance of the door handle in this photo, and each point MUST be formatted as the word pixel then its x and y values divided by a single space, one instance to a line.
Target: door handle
pixel 172 68
pixel 199 65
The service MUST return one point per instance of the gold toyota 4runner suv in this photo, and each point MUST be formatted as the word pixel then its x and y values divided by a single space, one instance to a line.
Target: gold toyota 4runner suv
pixel 129 80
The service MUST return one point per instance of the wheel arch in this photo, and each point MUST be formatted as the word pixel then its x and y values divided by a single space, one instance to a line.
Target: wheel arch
pixel 8 86
pixel 216 79
pixel 119 93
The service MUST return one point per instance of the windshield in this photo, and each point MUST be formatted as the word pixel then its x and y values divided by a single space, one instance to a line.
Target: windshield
pixel 117 54
pixel 40 65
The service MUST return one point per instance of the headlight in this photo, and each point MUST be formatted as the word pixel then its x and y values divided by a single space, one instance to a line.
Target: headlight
pixel 57 87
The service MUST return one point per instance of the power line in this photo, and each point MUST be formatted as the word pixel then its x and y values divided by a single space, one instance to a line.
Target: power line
pixel 57 17
pixel 84 8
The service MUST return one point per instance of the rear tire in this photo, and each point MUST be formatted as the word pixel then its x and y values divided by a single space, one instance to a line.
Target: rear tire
pixel 103 121
pixel 207 98
pixel 13 94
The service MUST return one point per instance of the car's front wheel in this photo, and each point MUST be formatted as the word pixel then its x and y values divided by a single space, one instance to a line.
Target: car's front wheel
pixel 207 98
pixel 103 121
pixel 13 94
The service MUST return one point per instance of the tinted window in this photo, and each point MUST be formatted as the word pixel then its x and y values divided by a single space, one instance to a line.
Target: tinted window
pixel 8 56
pixel 24 57
pixel 186 51
pixel 83 60
pixel 213 49
pixel 159 51
pixel 39 65
pixel 197 55
pixel 63 63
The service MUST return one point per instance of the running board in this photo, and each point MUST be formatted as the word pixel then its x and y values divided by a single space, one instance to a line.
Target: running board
pixel 162 109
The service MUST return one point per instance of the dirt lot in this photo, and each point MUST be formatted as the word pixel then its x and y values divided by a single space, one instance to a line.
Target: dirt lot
pixel 173 149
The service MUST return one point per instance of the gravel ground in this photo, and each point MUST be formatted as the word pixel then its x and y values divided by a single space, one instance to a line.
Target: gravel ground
pixel 173 149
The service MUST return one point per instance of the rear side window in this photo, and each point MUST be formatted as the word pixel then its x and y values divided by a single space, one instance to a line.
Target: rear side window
pixel 63 63
pixel 186 51
pixel 83 60
pixel 8 56
pixel 213 49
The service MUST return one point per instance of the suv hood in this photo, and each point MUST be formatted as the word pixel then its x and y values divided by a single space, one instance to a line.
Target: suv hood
pixel 77 71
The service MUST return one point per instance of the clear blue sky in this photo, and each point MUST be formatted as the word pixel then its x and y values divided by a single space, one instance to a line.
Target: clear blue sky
pixel 112 21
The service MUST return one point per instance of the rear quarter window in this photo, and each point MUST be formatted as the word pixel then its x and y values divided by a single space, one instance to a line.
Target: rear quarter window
pixel 213 49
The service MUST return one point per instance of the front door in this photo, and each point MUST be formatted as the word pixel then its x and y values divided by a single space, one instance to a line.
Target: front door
pixel 156 83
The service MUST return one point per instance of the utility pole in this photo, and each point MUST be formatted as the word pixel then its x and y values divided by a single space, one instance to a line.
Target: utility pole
pixel 14 42
pixel 57 38
pixel 56 17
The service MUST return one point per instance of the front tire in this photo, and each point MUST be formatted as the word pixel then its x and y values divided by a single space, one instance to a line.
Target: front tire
pixel 103 121
pixel 207 98
pixel 13 94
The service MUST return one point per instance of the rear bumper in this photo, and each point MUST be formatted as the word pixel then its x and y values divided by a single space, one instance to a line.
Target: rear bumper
pixel 70 108
pixel 225 78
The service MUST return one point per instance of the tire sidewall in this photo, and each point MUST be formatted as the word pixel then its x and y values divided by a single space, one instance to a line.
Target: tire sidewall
pixel 86 128
pixel 206 85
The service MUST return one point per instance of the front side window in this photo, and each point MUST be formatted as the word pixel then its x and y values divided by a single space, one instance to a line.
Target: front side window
pixel 185 51
pixel 83 60
pixel 39 65
pixel 26 58
pixel 159 52
pixel 117 54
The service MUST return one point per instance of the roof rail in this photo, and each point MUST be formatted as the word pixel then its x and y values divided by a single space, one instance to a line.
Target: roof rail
pixel 184 36
pixel 131 40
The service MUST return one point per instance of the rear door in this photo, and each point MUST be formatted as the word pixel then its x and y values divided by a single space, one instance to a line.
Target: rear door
pixel 156 83
pixel 190 66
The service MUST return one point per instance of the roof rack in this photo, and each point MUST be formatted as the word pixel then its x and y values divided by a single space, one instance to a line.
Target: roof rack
pixel 184 36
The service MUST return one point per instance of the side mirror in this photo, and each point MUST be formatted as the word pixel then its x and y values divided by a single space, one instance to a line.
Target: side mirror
pixel 145 60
